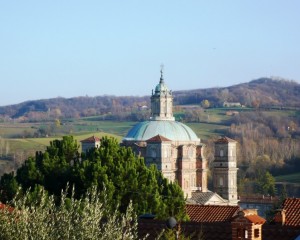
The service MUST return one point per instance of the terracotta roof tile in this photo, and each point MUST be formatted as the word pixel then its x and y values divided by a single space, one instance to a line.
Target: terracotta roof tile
pixel 92 139
pixel 158 138
pixel 211 213
pixel 6 207
pixel 255 219
pixel 292 211
pixel 224 140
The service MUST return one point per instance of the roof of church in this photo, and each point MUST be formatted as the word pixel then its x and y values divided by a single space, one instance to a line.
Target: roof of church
pixel 158 138
pixel 91 139
pixel 211 213
pixel 161 87
pixel 163 122
pixel 172 130
pixel 225 140
pixel 205 198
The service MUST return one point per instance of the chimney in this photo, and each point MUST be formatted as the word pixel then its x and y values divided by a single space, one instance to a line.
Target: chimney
pixel 247 225
pixel 279 217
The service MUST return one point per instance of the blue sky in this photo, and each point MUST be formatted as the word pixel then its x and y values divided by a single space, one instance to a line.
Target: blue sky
pixel 69 48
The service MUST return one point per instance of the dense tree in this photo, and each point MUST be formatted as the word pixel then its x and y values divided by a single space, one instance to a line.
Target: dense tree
pixel 266 184
pixel 124 176
pixel 9 186
pixel 277 204
pixel 266 142
pixel 205 103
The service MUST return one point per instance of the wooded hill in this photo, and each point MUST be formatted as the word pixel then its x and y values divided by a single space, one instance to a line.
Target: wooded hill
pixel 263 92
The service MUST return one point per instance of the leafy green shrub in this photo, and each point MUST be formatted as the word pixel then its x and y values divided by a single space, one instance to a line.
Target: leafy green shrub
pixel 84 218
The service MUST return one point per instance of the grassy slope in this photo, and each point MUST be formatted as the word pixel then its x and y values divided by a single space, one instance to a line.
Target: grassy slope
pixel 10 130
pixel 80 129
pixel 207 130
pixel 291 178
pixel 39 144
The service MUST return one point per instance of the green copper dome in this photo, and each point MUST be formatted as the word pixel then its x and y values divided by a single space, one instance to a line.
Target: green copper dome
pixel 172 130
pixel 161 87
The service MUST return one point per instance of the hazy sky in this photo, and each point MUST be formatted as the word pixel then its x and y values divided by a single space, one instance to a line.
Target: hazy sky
pixel 69 48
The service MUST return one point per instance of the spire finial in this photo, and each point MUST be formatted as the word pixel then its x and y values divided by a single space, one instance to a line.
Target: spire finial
pixel 161 73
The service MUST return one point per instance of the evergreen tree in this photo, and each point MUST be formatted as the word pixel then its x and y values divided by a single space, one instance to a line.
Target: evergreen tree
pixel 8 187
pixel 277 205
pixel 266 184
pixel 124 176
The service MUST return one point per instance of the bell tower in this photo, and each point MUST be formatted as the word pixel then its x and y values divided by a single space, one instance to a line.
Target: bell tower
pixel 225 170
pixel 162 101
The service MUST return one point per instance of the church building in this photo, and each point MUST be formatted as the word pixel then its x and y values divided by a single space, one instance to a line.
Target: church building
pixel 177 152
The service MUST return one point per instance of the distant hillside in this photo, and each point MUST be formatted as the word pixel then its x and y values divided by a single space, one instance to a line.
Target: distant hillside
pixel 263 92
pixel 46 109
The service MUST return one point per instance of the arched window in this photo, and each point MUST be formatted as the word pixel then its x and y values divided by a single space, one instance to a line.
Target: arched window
pixel 191 152
pixel 153 153
pixel 186 183
pixel 246 233
pixel 194 181
pixel 221 181
pixel 221 153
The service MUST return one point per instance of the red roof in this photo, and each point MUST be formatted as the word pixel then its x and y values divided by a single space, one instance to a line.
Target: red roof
pixel 255 219
pixel 292 211
pixel 225 140
pixel 92 139
pixel 3 206
pixel 158 138
pixel 211 213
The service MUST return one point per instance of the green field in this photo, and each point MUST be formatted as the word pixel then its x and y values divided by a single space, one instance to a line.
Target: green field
pixel 13 144
pixel 208 130
pixel 72 126
pixel 95 125
pixel 11 130
pixel 39 144
pixel 290 178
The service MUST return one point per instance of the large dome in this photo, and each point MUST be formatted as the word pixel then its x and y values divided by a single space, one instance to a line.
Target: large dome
pixel 172 130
